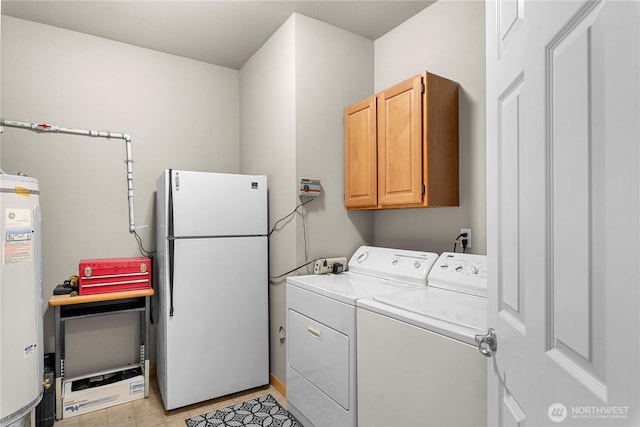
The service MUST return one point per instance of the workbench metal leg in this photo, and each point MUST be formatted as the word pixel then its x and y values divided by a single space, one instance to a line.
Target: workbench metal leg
pixel 59 367
pixel 144 342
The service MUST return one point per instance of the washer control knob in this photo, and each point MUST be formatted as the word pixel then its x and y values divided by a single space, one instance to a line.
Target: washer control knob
pixel 459 268
pixel 444 266
pixel 417 264
pixel 362 257
pixel 474 269
pixel 395 261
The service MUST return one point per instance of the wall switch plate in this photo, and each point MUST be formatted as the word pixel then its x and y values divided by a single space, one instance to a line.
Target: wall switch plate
pixel 468 231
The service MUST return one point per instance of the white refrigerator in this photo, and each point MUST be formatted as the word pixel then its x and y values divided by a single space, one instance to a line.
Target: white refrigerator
pixel 212 285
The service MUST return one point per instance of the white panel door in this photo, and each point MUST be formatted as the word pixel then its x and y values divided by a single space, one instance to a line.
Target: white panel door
pixel 563 118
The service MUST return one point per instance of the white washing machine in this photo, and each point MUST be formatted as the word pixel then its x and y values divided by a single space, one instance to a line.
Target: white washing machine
pixel 321 330
pixel 418 364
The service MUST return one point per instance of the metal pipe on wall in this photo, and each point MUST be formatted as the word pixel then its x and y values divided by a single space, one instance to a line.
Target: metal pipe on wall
pixel 43 127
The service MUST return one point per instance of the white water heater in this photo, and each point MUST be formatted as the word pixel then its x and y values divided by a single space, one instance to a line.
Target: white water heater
pixel 21 339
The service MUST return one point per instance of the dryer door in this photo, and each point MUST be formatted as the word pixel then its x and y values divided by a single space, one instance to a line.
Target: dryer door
pixel 321 355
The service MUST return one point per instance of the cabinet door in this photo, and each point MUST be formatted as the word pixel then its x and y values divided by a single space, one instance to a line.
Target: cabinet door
pixel 400 143
pixel 360 159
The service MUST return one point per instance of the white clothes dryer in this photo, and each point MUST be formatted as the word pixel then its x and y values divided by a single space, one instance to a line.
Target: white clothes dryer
pixel 418 364
pixel 321 330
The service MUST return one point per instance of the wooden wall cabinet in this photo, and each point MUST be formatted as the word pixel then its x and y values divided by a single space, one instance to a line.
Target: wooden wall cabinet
pixel 360 158
pixel 401 146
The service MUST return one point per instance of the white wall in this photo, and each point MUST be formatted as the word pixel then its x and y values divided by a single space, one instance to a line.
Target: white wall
pixel 447 39
pixel 267 111
pixel 333 70
pixel 180 113
pixel 293 91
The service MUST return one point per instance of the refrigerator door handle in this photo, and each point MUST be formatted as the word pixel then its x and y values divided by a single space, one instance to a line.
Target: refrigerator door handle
pixel 171 242
pixel 171 248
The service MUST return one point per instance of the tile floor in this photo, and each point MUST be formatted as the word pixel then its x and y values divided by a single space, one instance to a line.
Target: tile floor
pixel 150 412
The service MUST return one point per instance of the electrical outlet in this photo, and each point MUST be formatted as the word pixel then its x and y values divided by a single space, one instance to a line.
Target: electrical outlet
pixel 468 231
pixel 330 265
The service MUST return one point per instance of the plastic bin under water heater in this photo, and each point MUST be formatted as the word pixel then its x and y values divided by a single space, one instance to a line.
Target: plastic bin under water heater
pixel 21 341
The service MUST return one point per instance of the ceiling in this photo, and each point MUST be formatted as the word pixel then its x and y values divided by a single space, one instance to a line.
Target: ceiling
pixel 225 33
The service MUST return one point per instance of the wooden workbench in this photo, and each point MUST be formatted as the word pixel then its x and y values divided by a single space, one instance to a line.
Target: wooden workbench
pixel 68 307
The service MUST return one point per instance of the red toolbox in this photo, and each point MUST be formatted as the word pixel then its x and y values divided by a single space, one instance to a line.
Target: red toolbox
pixel 99 276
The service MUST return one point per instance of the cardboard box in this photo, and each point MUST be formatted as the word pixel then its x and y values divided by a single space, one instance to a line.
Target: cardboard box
pixel 105 275
pixel 92 399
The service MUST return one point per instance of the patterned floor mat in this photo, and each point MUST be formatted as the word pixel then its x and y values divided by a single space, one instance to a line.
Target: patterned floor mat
pixel 261 412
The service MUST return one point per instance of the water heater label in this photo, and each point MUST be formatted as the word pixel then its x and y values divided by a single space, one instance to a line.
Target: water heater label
pixel 21 191
pixel 17 246
pixel 29 350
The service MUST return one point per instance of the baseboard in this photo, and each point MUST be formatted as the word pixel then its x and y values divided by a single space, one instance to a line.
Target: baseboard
pixel 278 385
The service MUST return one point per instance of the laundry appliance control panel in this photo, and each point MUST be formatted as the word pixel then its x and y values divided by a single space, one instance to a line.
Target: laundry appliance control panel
pixel 399 265
pixel 460 272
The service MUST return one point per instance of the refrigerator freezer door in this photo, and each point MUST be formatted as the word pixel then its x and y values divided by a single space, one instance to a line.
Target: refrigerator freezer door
pixel 217 204
pixel 216 342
